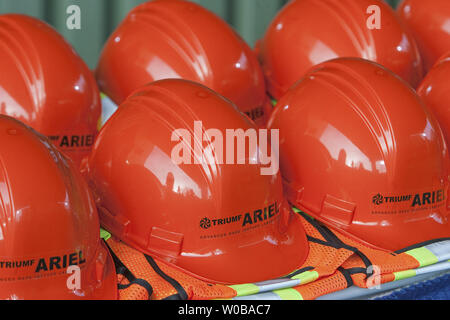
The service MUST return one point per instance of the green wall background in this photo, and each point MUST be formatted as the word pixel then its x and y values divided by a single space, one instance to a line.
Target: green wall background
pixel 99 17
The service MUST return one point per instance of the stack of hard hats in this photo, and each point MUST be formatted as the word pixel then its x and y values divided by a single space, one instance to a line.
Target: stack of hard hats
pixel 359 150
pixel 50 246
pixel 429 21
pixel 161 210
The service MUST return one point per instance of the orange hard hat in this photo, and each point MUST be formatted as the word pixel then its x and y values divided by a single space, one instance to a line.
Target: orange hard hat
pixel 179 39
pixel 46 85
pixel 223 223
pixel 308 32
pixel 360 152
pixel 429 23
pixel 435 91
pixel 48 224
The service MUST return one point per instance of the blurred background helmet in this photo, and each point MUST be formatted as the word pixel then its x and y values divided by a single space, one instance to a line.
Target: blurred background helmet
pixel 308 32
pixel 46 85
pixel 429 22
pixel 178 39
pixel 435 92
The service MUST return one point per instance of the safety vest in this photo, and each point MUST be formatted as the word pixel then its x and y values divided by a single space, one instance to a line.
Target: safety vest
pixel 335 262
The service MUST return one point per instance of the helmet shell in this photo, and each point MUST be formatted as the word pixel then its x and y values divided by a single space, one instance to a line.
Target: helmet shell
pixel 308 32
pixel 349 158
pixel 224 223
pixel 48 222
pixel 435 92
pixel 429 23
pixel 180 39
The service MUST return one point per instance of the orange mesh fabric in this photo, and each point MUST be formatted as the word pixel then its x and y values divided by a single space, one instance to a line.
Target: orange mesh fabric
pixel 330 284
pixel 381 262
pixel 310 229
pixel 324 259
pixel 357 259
pixel 133 292
pixel 166 282
pixel 339 262
pixel 197 289
pixel 137 264
pixel 387 261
